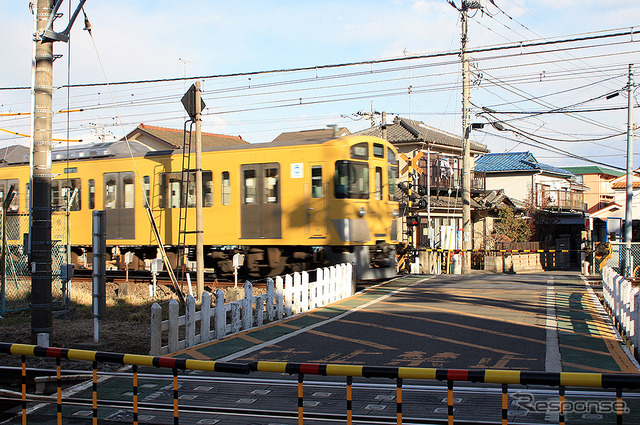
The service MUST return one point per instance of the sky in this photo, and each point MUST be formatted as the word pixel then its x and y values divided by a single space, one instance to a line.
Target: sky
pixel 266 68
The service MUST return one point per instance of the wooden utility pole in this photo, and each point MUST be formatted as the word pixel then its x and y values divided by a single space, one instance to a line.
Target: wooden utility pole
pixel 199 193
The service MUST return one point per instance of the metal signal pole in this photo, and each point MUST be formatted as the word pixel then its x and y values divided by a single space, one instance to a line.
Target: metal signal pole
pixel 199 193
pixel 628 219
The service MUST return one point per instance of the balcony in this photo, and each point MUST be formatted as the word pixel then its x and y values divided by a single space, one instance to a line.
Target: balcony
pixel 560 200
pixel 445 172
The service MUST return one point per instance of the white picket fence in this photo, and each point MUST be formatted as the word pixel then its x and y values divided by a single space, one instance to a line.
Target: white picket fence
pixel 285 297
pixel 622 299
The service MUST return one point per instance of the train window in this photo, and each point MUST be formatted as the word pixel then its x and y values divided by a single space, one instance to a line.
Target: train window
pixel 378 184
pixel 378 150
pixel 316 181
pixel 360 151
pixel 207 187
pixel 172 195
pixel 129 192
pixel 271 188
pixel 249 183
pixel 65 194
pixel 226 188
pixel 110 191
pixel 393 176
pixel 391 157
pixel 352 180
pixel 92 194
pixel 4 188
pixel 146 183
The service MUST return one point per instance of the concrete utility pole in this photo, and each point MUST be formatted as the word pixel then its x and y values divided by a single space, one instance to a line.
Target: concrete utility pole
pixel 628 219
pixel 40 193
pixel 41 316
pixel 199 193
pixel 466 152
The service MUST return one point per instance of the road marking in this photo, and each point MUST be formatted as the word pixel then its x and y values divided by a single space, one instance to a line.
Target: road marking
pixel 552 362
pixel 429 336
pixel 318 324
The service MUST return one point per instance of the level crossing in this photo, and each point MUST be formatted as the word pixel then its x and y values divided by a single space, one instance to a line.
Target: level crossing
pixel 461 327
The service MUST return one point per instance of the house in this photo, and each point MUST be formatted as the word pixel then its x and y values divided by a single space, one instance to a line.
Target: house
pixel 550 192
pixel 607 222
pixel 162 138
pixel 598 179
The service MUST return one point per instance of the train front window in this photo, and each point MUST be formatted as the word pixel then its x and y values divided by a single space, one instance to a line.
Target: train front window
pixel 393 175
pixel 378 184
pixel 352 180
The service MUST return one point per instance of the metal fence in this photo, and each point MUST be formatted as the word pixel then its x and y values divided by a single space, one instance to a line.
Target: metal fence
pixel 15 285
pixel 125 401
pixel 623 257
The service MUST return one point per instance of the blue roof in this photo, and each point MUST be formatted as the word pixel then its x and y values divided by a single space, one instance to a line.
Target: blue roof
pixel 514 161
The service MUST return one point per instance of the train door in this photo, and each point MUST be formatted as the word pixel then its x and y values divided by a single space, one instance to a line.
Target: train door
pixel 119 205
pixel 317 201
pixel 261 210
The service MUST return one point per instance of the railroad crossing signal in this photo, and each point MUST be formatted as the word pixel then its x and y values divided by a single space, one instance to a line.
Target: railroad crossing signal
pixel 412 163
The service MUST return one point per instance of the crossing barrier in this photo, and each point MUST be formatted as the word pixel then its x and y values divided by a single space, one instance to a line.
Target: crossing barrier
pixel 560 381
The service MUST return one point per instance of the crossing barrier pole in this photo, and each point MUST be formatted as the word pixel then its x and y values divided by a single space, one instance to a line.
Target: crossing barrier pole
pixel 300 399
pixel 450 402
pixel 23 358
pixel 135 394
pixel 561 392
pixel 505 403
pixel 399 400
pixel 349 400
pixel 176 418
pixel 58 392
pixel 94 392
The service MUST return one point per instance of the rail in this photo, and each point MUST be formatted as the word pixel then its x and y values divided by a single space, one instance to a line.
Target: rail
pixel 558 381
pixel 285 296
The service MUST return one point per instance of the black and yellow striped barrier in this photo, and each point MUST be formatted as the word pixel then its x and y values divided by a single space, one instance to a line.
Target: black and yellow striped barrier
pixel 560 380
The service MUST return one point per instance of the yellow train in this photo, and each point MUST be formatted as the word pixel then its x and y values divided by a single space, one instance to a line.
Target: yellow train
pixel 287 206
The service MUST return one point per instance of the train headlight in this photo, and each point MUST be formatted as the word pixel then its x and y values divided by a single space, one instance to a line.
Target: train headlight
pixel 362 212
pixel 396 213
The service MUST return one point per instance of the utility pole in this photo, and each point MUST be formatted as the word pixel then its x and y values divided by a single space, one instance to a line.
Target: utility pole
pixel 41 316
pixel 628 218
pixel 40 193
pixel 199 193
pixel 466 152
pixel 466 132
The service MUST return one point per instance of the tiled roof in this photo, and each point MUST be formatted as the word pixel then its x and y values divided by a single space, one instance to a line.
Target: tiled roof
pixel 320 134
pixel 176 137
pixel 514 161
pixel 404 130
pixel 623 184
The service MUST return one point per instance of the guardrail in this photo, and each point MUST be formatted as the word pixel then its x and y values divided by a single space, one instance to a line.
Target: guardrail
pixel 504 378
pixel 622 300
pixel 285 296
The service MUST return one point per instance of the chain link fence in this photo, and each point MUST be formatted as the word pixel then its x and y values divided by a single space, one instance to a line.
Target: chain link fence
pixel 623 257
pixel 15 288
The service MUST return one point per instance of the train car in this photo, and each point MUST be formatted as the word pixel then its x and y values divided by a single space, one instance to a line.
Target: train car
pixel 287 206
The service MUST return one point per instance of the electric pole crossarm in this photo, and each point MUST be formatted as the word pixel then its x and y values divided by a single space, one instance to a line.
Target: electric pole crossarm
pixel 49 34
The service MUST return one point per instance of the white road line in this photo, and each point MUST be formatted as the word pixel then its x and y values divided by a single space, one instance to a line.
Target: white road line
pixel 552 362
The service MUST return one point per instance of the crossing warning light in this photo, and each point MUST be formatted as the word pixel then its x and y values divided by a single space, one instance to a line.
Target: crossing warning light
pixel 413 220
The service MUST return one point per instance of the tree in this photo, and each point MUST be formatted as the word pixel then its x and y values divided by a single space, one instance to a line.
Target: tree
pixel 512 226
